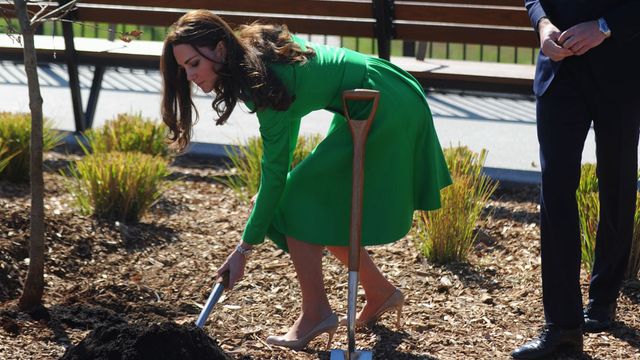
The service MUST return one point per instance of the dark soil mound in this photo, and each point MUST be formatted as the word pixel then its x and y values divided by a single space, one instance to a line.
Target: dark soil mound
pixel 138 342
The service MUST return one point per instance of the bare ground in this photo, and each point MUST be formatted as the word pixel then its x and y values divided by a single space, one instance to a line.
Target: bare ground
pixel 161 270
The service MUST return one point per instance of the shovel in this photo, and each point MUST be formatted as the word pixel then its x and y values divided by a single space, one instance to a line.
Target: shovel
pixel 213 299
pixel 359 132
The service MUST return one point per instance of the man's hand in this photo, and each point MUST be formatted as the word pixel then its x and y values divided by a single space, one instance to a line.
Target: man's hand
pixel 549 43
pixel 582 37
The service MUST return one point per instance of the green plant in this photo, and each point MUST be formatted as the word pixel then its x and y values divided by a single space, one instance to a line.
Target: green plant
pixel 634 258
pixel 129 132
pixel 5 156
pixel 117 185
pixel 447 234
pixel 245 160
pixel 15 135
pixel 588 212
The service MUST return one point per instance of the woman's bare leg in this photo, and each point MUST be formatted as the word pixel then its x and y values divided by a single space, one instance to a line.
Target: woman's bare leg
pixel 307 261
pixel 376 287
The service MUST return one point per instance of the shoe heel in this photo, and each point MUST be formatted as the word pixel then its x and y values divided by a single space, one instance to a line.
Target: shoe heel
pixel 399 317
pixel 330 332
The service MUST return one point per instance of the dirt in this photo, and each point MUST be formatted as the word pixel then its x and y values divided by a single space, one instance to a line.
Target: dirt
pixel 166 340
pixel 138 288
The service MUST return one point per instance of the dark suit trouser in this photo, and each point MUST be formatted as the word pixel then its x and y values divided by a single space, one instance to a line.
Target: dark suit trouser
pixel 565 113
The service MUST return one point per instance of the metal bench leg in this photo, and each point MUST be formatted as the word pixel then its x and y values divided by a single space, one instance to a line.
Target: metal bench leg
pixel 74 80
pixel 96 84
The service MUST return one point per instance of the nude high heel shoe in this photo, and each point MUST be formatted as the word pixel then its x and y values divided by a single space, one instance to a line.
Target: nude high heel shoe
pixel 393 302
pixel 328 325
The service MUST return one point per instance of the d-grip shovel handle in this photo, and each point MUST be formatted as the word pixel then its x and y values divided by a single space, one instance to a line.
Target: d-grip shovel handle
pixel 361 94
pixel 359 132
pixel 213 299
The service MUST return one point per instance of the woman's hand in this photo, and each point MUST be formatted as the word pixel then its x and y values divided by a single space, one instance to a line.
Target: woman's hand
pixel 234 264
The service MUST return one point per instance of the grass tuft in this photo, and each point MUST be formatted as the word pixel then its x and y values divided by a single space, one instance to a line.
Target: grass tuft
pixel 245 160
pixel 15 140
pixel 589 213
pixel 118 186
pixel 129 132
pixel 447 235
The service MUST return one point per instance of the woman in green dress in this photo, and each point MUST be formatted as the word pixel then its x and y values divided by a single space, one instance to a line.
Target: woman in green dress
pixel 281 78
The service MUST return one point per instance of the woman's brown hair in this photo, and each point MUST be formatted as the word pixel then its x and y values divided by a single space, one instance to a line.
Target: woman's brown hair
pixel 244 74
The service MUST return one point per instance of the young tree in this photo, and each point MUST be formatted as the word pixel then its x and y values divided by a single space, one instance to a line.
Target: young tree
pixel 34 284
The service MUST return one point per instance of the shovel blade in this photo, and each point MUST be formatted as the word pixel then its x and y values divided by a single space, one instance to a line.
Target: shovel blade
pixel 338 354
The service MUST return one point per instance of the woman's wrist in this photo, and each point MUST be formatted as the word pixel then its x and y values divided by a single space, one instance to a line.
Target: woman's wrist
pixel 244 248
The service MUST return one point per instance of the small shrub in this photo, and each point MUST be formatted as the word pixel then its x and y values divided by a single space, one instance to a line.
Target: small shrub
pixel 129 132
pixel 15 135
pixel 634 257
pixel 447 234
pixel 588 212
pixel 5 155
pixel 246 163
pixel 117 185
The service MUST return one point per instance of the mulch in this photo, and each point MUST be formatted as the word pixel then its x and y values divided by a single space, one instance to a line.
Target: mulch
pixel 110 287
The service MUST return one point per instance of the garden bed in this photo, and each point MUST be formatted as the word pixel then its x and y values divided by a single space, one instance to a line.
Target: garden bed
pixel 107 274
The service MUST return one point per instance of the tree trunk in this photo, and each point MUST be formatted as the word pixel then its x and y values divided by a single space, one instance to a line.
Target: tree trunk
pixel 34 284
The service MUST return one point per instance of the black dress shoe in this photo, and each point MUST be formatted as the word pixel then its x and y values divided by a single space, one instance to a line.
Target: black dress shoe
pixel 598 317
pixel 551 340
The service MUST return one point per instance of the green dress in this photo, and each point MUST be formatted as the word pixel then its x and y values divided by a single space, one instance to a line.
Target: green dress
pixel 404 165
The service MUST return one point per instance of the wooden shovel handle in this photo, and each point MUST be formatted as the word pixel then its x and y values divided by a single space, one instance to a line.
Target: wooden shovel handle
pixel 361 94
pixel 359 132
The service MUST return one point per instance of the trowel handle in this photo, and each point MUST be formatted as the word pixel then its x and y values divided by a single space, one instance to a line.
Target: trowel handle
pixel 225 279
pixel 218 288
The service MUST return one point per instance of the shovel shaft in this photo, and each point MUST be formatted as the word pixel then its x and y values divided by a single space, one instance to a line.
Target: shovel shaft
pixel 351 310
pixel 359 132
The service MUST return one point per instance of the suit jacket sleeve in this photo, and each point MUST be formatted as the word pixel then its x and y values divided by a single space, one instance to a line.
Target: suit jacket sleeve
pixel 536 12
pixel 623 21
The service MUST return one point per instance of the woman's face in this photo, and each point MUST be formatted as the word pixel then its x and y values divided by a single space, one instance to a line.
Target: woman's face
pixel 199 69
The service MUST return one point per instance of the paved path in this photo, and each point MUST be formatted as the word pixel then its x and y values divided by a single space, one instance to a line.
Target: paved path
pixel 504 125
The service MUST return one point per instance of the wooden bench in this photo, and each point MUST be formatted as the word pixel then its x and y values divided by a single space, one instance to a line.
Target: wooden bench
pixel 485 22
pixel 495 22
pixel 331 17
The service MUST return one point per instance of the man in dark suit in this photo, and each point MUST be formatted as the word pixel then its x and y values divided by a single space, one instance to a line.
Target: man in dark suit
pixel 588 72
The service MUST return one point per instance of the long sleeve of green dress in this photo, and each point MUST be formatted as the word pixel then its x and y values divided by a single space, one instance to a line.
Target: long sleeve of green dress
pixel 279 132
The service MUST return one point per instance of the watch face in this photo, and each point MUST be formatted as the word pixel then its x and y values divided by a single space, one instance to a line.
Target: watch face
pixel 603 27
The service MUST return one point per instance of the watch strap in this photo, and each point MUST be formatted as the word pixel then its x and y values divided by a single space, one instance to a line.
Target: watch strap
pixel 243 251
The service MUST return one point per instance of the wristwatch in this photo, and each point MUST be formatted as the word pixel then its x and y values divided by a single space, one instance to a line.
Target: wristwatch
pixel 243 251
pixel 604 27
